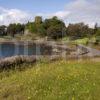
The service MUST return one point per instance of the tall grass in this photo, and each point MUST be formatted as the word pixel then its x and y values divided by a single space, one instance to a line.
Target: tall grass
pixel 60 80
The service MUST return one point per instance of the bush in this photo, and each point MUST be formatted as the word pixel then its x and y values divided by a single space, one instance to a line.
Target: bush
pixel 97 40
pixel 82 41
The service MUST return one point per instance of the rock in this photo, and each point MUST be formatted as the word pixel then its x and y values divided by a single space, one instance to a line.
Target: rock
pixel 16 60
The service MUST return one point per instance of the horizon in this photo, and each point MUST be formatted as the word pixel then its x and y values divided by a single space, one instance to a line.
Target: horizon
pixel 70 11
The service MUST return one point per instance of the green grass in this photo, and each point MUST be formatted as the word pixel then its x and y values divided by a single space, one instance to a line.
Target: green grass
pixel 60 80
pixel 82 41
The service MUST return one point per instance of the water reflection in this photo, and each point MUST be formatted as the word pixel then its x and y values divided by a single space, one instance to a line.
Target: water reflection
pixel 11 49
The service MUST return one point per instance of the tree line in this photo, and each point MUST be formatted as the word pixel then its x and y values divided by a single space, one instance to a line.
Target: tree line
pixel 12 29
pixel 52 28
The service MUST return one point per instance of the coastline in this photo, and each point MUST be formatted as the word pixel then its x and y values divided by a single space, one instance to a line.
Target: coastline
pixel 16 42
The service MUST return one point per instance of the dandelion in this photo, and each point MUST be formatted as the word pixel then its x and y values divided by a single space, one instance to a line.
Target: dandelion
pixel 93 84
pixel 87 91
pixel 29 98
pixel 73 98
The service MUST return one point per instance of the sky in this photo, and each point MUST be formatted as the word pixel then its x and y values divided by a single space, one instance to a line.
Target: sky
pixel 70 11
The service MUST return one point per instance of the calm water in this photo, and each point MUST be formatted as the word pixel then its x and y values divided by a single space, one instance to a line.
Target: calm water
pixel 10 49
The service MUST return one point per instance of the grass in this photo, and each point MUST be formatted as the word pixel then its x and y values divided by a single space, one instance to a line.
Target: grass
pixel 82 41
pixel 77 41
pixel 60 80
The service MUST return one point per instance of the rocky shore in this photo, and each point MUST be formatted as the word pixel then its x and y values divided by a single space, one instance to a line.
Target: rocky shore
pixel 6 63
pixel 58 51
pixel 12 62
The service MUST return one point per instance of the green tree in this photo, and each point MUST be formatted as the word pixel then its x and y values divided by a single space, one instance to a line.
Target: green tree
pixel 11 29
pixel 37 27
pixel 55 27
pixel 41 30
pixel 98 32
pixel 79 30
pixel 3 30
pixel 95 28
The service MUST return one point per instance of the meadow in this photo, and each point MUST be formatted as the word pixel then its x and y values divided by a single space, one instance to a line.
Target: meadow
pixel 59 80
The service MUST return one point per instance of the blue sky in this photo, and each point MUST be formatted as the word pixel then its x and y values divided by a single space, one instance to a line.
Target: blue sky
pixel 35 6
pixel 70 11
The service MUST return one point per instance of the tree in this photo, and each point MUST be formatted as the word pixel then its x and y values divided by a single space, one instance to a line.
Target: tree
pixel 41 30
pixel 55 32
pixel 37 27
pixel 98 32
pixel 55 28
pixel 13 29
pixel 20 28
pixel 3 30
pixel 79 30
pixel 31 27
pixel 95 28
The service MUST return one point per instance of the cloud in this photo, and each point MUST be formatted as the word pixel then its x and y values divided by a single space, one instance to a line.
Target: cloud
pixel 87 11
pixel 59 14
pixel 8 16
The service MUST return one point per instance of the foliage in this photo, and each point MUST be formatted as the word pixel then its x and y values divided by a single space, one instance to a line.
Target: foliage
pixel 55 28
pixel 97 40
pixel 97 35
pixel 3 30
pixel 98 32
pixel 36 27
pixel 13 29
pixel 82 41
pixel 52 28
pixel 79 30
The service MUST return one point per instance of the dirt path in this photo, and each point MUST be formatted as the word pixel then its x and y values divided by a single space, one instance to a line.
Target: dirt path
pixel 89 51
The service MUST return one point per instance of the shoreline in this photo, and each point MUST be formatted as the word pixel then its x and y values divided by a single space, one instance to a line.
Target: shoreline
pixel 11 62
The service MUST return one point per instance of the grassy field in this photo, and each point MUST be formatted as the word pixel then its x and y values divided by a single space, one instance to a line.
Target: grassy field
pixel 60 80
